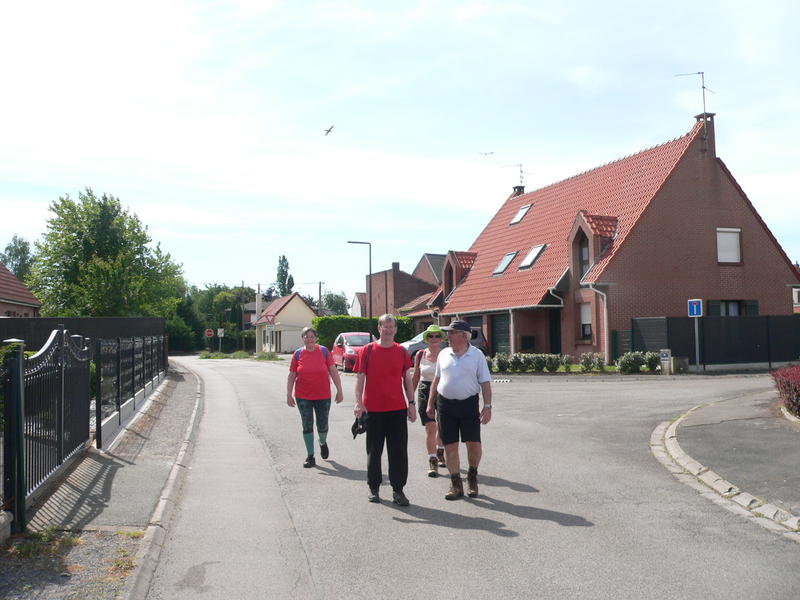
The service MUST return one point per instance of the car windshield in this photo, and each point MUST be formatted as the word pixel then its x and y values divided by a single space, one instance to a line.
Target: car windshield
pixel 357 340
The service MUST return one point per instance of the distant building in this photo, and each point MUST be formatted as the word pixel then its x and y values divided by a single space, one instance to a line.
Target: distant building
pixel 289 314
pixel 16 300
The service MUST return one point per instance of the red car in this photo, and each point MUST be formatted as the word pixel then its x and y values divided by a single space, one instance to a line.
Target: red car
pixel 346 346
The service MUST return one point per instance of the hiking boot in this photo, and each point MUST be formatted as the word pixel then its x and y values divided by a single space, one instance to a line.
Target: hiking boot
pixel 472 482
pixel 456 488
pixel 323 451
pixel 374 496
pixel 399 498
pixel 440 456
pixel 310 462
pixel 433 467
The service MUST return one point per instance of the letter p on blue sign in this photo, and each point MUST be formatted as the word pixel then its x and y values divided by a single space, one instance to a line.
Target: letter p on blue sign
pixel 696 307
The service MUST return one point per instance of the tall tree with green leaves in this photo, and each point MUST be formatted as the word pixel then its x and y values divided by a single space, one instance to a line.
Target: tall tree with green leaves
pixel 285 282
pixel 96 259
pixel 18 258
pixel 336 303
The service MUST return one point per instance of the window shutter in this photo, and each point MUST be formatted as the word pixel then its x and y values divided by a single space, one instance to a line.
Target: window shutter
pixel 714 308
pixel 751 307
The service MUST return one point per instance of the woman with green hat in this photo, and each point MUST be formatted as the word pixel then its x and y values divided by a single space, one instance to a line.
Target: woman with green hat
pixel 424 371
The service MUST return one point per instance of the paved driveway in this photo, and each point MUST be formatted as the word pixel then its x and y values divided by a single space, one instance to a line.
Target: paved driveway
pixel 572 504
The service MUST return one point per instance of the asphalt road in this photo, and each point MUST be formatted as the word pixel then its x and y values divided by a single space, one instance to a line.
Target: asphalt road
pixel 573 504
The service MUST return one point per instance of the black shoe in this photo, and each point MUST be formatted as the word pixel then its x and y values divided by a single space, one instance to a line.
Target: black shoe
pixel 399 498
pixel 310 462
pixel 374 496
pixel 323 451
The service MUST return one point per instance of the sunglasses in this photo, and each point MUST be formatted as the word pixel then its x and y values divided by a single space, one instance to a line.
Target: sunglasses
pixel 434 335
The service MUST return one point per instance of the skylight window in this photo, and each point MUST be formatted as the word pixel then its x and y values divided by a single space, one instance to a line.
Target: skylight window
pixel 504 262
pixel 531 257
pixel 523 210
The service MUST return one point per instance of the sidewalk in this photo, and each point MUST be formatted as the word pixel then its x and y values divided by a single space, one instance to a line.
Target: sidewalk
pixel 115 500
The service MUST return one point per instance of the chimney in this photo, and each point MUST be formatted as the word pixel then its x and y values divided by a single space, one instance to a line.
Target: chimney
pixel 518 190
pixel 396 267
pixel 707 136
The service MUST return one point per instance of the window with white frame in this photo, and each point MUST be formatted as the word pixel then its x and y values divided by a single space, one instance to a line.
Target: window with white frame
pixel 729 248
pixel 586 320
pixel 531 257
pixel 796 295
pixel 504 262
pixel 523 210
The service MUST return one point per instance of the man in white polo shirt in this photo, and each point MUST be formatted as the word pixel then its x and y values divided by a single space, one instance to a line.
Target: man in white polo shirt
pixel 461 375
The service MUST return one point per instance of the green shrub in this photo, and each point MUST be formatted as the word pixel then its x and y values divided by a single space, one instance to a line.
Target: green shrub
pixel 552 362
pixel 329 327
pixel 652 360
pixel 489 363
pixel 267 356
pixel 630 362
pixel 239 354
pixel 501 362
pixel 566 360
pixel 538 362
pixel 587 362
pixel 527 362
pixel 516 363
pixel 599 362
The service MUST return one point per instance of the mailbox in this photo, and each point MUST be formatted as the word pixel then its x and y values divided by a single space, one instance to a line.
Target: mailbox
pixel 666 361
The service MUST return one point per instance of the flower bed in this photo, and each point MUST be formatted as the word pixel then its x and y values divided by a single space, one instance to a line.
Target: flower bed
pixel 787 381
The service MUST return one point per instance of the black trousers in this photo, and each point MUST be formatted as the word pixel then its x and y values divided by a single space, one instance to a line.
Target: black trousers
pixel 390 428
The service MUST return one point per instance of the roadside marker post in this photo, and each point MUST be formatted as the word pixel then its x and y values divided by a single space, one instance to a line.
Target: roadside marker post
pixel 695 308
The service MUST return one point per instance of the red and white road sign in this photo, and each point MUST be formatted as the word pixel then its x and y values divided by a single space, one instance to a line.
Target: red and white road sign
pixel 209 333
pixel 270 319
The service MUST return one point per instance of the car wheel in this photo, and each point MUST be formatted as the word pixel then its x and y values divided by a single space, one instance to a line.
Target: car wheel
pixel 344 366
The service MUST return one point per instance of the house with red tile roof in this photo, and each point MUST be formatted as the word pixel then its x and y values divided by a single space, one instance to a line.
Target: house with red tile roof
pixel 16 300
pixel 358 306
pixel 280 323
pixel 565 268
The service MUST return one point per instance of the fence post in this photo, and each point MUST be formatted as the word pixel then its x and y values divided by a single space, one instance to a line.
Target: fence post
pixel 98 394
pixel 16 369
pixel 60 404
pixel 144 362
pixel 133 367
pixel 119 374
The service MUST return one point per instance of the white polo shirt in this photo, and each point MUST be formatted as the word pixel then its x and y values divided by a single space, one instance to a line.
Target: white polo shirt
pixel 461 376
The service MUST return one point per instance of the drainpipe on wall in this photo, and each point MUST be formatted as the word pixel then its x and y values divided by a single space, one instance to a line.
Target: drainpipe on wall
pixel 513 341
pixel 605 321
pixel 556 296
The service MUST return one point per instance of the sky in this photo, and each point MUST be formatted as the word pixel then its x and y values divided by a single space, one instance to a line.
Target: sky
pixel 207 119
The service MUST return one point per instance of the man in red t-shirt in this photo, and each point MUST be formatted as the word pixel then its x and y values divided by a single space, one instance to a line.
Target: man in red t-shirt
pixel 384 377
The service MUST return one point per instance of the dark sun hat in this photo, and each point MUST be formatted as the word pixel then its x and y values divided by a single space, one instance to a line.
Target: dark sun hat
pixel 359 425
pixel 459 325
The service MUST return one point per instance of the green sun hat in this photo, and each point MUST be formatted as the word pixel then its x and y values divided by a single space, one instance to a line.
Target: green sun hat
pixel 433 329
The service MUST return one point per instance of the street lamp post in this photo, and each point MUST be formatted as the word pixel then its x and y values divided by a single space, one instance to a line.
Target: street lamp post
pixel 369 287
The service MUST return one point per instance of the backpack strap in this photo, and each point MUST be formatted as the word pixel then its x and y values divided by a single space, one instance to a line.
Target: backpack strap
pixel 368 350
pixel 297 353
pixel 324 352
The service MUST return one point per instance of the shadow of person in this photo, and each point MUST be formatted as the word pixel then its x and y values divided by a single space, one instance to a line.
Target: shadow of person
pixel 339 470
pixel 530 512
pixel 499 482
pixel 423 515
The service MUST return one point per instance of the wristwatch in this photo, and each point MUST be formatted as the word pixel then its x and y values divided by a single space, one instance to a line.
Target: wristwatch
pixel 410 402
pixel 487 406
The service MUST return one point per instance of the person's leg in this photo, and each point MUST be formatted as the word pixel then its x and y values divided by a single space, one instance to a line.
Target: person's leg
pixel 322 409
pixel 397 448
pixel 376 437
pixel 474 454
pixel 449 432
pixel 306 409
pixel 471 434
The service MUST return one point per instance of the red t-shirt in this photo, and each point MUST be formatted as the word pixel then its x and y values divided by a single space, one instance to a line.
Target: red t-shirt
pixel 384 369
pixel 312 374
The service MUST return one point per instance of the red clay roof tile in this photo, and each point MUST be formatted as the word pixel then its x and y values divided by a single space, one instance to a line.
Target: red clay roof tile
pixel 14 290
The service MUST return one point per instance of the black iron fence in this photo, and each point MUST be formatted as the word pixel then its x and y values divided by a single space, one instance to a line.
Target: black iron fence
pixel 763 339
pixel 50 405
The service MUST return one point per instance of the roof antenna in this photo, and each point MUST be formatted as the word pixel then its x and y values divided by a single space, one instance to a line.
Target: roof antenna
pixel 703 89
pixel 521 172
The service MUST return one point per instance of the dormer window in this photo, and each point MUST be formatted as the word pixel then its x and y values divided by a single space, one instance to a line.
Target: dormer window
pixel 523 210
pixel 583 254
pixel 504 262
pixel 531 257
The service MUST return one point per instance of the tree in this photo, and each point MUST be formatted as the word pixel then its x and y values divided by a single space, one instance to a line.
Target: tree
pixel 336 303
pixel 96 259
pixel 285 281
pixel 17 257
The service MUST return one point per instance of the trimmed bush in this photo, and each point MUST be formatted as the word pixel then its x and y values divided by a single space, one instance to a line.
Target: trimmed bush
pixel 501 362
pixel 538 362
pixel 567 360
pixel 630 362
pixel 267 356
pixel 552 362
pixel 652 360
pixel 489 362
pixel 516 363
pixel 239 354
pixel 527 361
pixel 599 362
pixel 329 327
pixel 787 381
pixel 587 362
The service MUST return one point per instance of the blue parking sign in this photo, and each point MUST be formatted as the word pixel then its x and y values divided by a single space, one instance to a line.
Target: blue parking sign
pixel 696 307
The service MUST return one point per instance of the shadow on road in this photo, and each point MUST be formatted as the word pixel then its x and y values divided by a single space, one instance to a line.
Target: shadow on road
pixel 339 470
pixel 422 515
pixel 531 512
pixel 499 482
